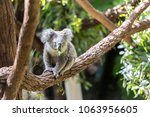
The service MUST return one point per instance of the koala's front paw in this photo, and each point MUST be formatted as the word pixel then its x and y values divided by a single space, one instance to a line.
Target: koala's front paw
pixel 50 69
pixel 55 73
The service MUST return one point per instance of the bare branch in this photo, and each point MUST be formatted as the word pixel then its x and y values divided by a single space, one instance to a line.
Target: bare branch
pixel 145 24
pixel 31 17
pixel 99 16
pixel 96 14
pixel 34 82
pixel 113 14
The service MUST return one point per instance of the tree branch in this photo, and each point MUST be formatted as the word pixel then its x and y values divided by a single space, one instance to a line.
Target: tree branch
pixel 112 14
pixel 34 82
pixel 145 24
pixel 15 78
pixel 99 16
pixel 37 44
pixel 96 14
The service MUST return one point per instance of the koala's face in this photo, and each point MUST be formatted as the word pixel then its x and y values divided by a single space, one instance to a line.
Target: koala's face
pixel 58 39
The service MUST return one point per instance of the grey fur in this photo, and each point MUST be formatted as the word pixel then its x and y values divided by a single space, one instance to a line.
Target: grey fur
pixel 59 53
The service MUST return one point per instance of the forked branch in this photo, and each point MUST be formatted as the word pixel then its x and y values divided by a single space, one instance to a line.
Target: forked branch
pixel 16 76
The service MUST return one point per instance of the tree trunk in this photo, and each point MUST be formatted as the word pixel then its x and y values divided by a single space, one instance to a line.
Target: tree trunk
pixel 19 10
pixel 7 34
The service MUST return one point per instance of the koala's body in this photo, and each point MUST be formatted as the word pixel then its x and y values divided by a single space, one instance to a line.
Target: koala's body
pixel 59 53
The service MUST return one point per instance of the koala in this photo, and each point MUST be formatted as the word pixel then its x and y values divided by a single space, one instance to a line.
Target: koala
pixel 59 53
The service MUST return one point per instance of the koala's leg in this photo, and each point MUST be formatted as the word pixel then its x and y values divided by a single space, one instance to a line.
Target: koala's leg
pixel 71 56
pixel 60 64
pixel 47 61
pixel 69 63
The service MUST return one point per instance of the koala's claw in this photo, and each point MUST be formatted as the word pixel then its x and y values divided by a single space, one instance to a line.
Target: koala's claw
pixel 48 70
pixel 55 73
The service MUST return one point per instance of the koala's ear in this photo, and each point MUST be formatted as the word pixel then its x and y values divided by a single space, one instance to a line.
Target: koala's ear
pixel 45 35
pixel 68 33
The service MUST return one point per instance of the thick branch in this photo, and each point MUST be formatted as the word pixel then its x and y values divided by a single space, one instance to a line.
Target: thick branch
pixel 34 82
pixel 37 44
pixel 31 16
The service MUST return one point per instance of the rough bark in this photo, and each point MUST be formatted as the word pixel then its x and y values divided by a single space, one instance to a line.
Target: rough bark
pixel 7 35
pixel 37 44
pixel 145 24
pixel 35 82
pixel 30 21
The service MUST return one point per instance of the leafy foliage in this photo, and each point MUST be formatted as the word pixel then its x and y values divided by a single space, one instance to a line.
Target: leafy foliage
pixel 136 62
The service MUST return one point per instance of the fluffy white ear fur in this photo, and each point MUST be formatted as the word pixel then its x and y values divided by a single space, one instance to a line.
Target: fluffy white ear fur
pixel 45 35
pixel 68 33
